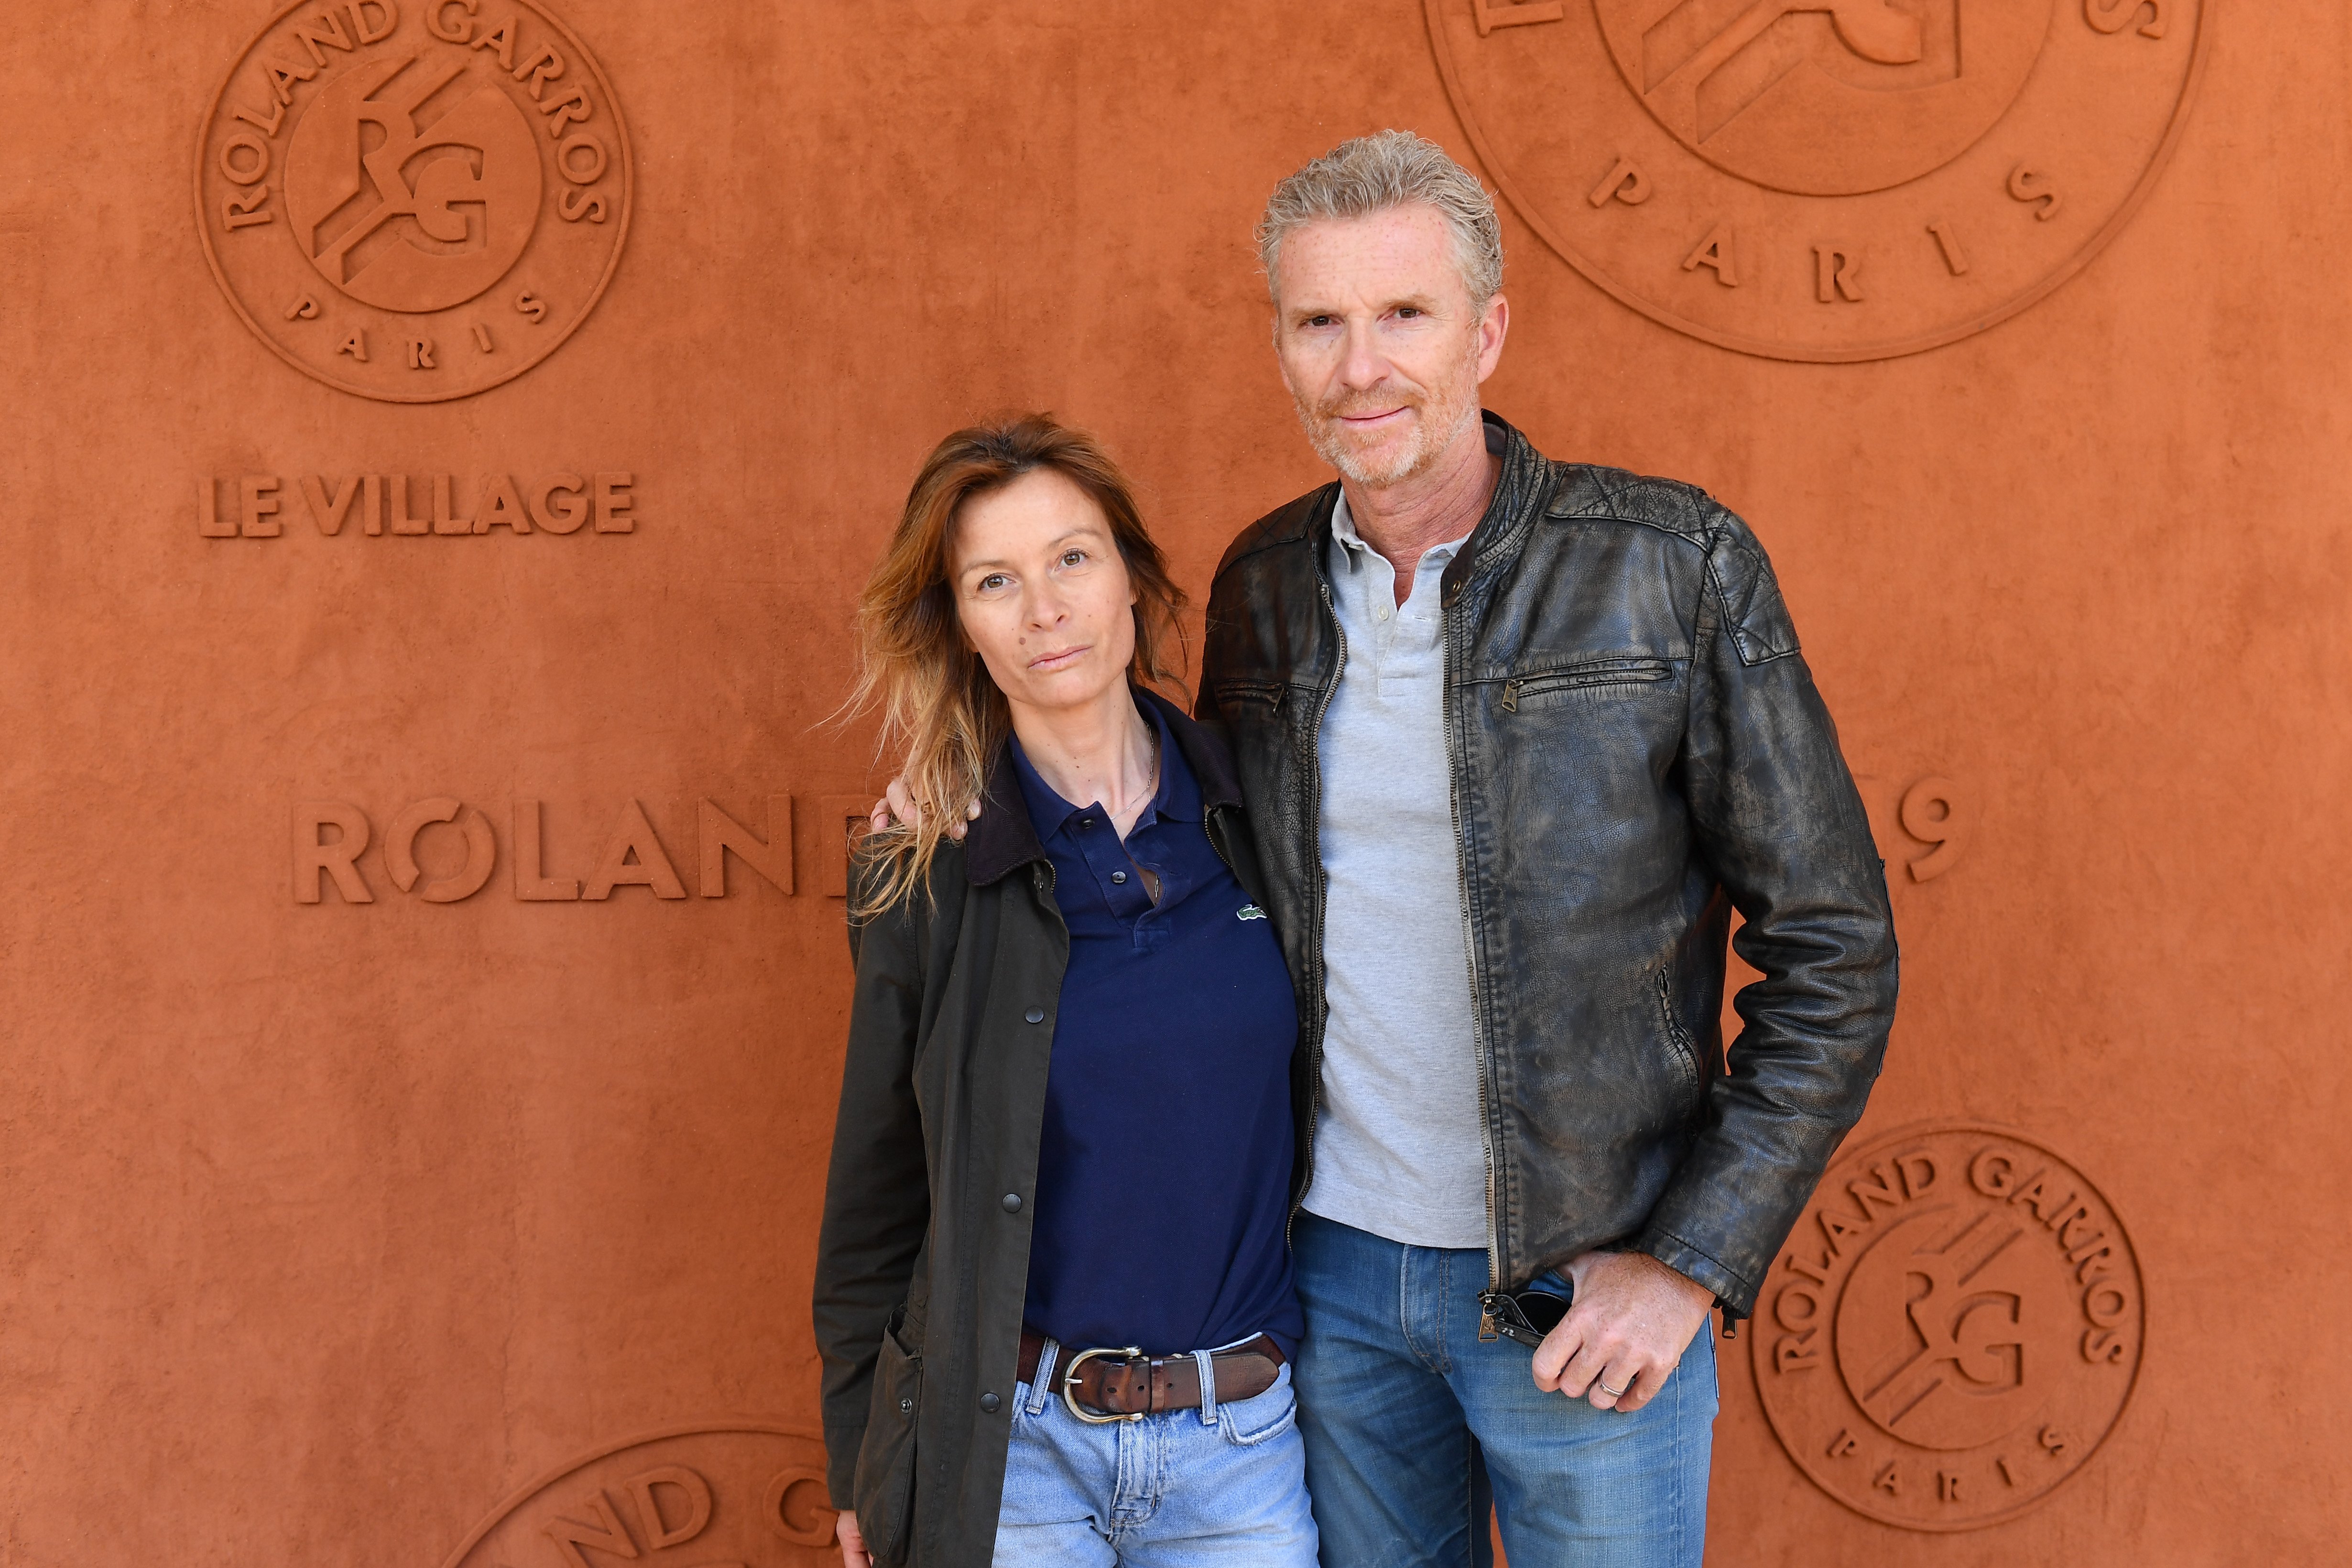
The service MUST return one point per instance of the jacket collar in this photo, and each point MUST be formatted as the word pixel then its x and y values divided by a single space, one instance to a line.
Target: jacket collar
pixel 1517 495
pixel 1002 839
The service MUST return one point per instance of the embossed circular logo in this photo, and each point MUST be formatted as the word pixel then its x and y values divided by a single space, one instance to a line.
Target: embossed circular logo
pixel 414 200
pixel 1953 1329
pixel 716 1492
pixel 1824 180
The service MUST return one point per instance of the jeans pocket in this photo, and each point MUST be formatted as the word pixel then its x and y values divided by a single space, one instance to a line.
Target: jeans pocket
pixel 886 1462
pixel 1247 1422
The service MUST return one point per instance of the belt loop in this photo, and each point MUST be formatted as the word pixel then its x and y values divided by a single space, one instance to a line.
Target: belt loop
pixel 1040 1381
pixel 1206 1361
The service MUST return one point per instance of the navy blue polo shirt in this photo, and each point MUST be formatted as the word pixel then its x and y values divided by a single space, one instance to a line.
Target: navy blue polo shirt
pixel 1163 1174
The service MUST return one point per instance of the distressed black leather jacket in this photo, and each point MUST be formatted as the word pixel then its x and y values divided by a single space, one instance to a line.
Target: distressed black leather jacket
pixel 1637 751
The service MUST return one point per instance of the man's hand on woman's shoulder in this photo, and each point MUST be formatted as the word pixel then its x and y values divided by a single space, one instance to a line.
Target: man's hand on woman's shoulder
pixel 898 805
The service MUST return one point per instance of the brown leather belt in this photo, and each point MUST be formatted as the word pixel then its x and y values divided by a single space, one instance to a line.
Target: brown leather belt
pixel 1127 1385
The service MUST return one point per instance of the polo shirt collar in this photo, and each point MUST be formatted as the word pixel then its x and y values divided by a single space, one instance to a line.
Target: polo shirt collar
pixel 1003 837
pixel 1177 798
pixel 1343 530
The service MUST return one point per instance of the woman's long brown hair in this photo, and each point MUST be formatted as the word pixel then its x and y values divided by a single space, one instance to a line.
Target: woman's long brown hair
pixel 941 711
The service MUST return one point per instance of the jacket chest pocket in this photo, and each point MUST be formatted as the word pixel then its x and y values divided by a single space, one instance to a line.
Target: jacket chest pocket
pixel 1534 690
pixel 886 1462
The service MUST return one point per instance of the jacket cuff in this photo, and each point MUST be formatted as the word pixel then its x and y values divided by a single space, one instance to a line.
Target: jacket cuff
pixel 1737 1294
pixel 841 1447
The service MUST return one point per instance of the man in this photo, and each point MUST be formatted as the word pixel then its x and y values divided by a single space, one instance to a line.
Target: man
pixel 1517 736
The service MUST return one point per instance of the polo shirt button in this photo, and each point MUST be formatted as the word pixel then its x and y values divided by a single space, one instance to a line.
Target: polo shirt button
pixel 989 1402
pixel 1036 1015
pixel 1012 1202
pixel 1119 876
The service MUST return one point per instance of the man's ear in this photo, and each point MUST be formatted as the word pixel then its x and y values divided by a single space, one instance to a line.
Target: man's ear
pixel 1493 326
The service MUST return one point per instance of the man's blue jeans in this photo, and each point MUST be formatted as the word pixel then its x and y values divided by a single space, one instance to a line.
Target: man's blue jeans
pixel 1409 1417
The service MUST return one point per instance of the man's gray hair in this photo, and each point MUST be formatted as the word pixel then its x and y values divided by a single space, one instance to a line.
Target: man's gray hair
pixel 1385 170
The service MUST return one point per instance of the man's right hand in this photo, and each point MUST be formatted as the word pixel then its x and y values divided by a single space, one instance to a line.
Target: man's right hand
pixel 896 804
pixel 845 1530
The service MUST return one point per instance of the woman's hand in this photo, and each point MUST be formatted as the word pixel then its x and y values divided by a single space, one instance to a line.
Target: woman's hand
pixel 853 1545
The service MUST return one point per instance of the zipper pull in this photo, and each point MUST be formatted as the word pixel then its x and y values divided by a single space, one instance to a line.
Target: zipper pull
pixel 1511 697
pixel 1486 1330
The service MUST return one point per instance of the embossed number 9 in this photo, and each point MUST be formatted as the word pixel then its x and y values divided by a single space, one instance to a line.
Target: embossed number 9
pixel 1934 812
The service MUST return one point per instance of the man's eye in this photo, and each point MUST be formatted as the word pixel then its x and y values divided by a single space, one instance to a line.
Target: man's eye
pixel 1407 312
pixel 1318 321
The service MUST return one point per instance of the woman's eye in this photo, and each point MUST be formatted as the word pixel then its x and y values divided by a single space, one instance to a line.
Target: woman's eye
pixel 992 581
pixel 1073 557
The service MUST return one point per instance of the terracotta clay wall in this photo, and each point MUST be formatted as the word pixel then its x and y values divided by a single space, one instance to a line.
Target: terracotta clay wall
pixel 464 439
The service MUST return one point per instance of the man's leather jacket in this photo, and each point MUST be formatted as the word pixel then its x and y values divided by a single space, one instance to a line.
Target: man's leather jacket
pixel 1637 751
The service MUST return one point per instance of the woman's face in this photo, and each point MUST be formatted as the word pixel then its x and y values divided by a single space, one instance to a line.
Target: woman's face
pixel 1043 591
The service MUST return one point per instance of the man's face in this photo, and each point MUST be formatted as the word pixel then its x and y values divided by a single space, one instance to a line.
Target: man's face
pixel 1381 344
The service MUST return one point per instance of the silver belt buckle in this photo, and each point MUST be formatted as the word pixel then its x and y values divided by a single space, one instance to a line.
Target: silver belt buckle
pixel 1070 1384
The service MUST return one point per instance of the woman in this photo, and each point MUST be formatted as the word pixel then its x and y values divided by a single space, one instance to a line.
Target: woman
pixel 1053 1293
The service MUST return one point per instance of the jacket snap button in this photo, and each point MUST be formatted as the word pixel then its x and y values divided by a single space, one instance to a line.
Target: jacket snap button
pixel 1036 1015
pixel 1012 1202
pixel 989 1402
pixel 1119 876
pixel 906 1407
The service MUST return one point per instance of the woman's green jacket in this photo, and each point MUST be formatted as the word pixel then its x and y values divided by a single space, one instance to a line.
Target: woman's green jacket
pixel 923 1263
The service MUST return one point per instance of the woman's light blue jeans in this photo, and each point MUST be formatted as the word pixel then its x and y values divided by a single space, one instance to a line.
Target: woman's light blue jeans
pixel 1409 1417
pixel 1223 1485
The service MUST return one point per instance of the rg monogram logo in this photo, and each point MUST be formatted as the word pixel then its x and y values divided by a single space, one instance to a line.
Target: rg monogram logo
pixel 403 218
pixel 1960 1342
pixel 1827 97
pixel 1707 61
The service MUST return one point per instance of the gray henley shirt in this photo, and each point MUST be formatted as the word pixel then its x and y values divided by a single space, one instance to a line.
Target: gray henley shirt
pixel 1399 1149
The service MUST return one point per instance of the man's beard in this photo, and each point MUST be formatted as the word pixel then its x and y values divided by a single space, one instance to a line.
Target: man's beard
pixel 1443 414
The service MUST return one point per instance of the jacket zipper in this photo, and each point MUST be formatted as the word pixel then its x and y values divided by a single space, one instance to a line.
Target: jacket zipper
pixel 1470 960
pixel 1322 903
pixel 1613 672
pixel 1677 1038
